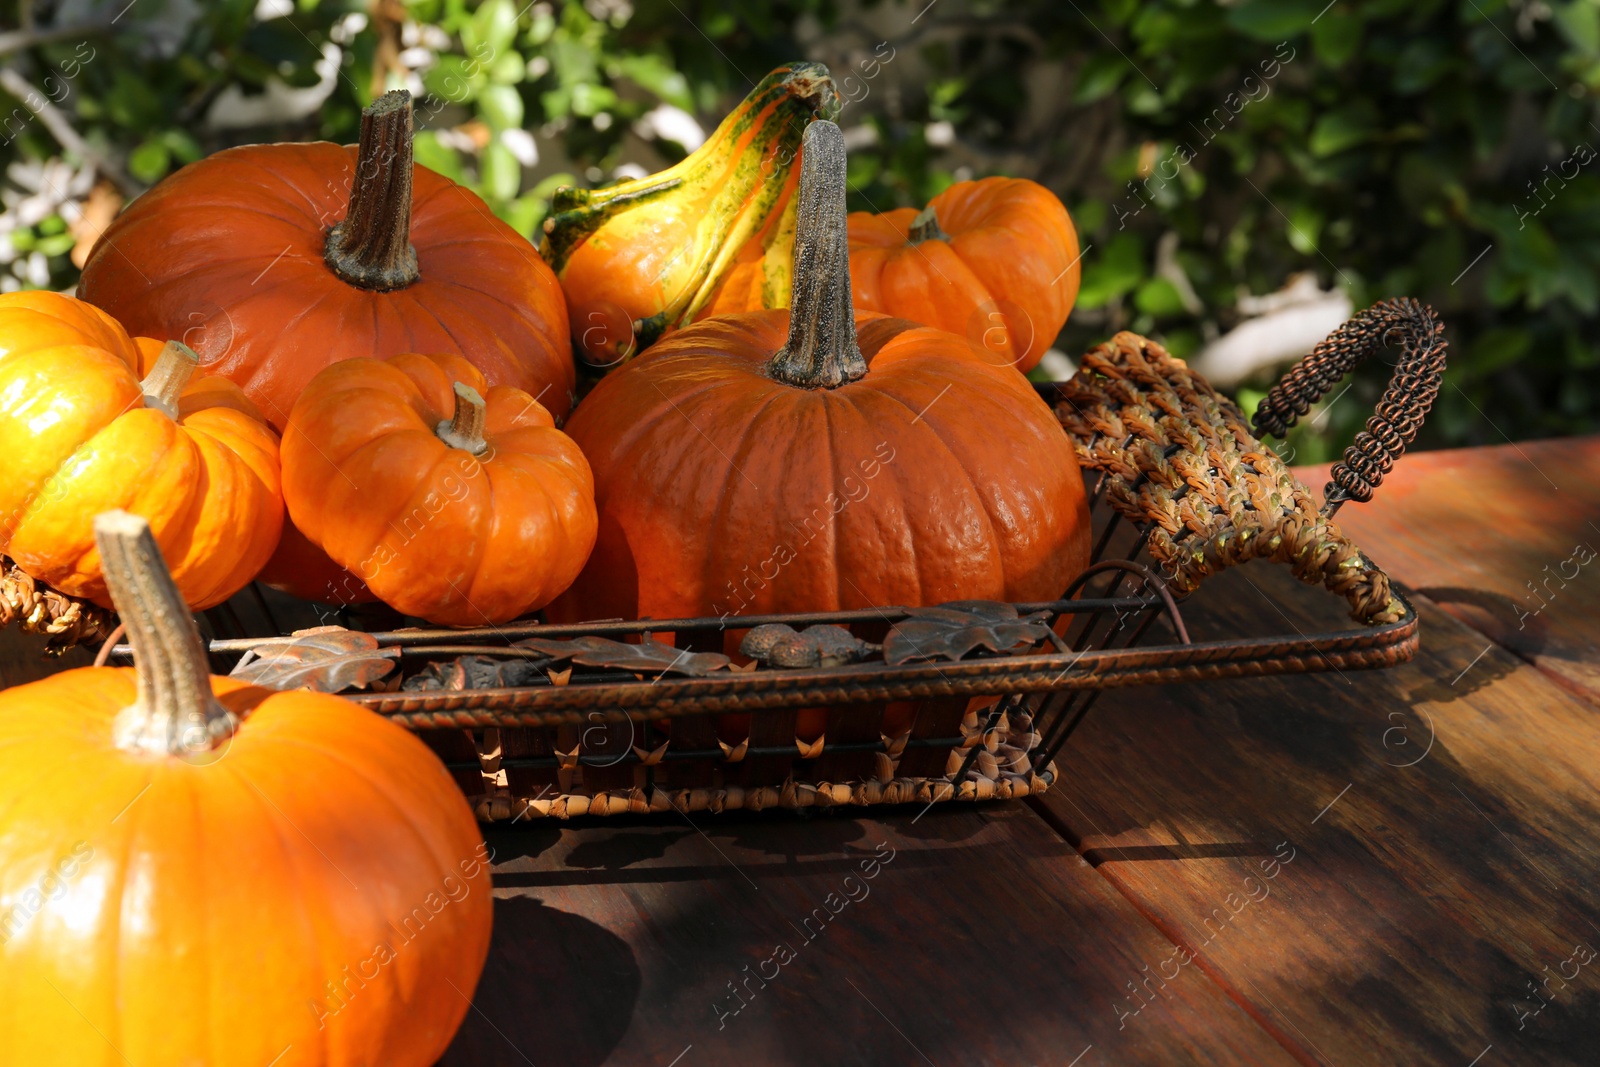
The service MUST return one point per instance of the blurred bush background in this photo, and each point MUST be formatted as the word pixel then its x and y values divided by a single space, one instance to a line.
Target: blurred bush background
pixel 1242 172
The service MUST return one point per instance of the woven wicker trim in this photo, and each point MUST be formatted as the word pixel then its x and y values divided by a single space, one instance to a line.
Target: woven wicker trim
pixel 1003 770
pixel 41 610
pixel 1182 462
pixel 791 795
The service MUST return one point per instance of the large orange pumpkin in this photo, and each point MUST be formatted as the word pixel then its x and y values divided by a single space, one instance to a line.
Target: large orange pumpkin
pixel 197 871
pixel 782 461
pixel 994 260
pixel 639 257
pixel 100 421
pixel 452 501
pixel 274 261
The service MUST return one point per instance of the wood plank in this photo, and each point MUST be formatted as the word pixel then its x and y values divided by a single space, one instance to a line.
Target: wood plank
pixel 1433 825
pixel 1506 539
pixel 981 939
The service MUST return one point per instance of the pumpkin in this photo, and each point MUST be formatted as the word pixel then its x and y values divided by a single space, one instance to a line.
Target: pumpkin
pixel 195 870
pixel 994 260
pixel 274 261
pixel 453 501
pixel 301 569
pixel 783 461
pixel 42 319
pixel 641 256
pixel 84 433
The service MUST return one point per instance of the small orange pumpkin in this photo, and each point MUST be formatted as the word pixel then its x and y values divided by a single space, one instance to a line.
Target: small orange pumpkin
pixel 42 319
pixel 107 422
pixel 994 260
pixel 451 500
pixel 781 461
pixel 195 870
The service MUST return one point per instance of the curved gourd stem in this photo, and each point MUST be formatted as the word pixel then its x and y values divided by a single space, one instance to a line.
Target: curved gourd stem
pixel 175 712
pixel 465 428
pixel 925 227
pixel 371 248
pixel 821 352
pixel 164 384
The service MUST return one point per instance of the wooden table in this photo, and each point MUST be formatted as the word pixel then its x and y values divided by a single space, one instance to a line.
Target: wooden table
pixel 1361 868
pixel 1367 868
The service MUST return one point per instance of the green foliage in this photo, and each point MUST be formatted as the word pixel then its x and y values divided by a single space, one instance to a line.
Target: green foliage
pixel 1434 148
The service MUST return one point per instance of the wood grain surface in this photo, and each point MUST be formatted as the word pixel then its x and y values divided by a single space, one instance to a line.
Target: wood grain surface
pixel 1433 829
pixel 982 938
pixel 1506 539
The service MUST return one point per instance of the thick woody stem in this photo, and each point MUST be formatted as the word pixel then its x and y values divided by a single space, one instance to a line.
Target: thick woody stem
pixel 925 227
pixel 821 352
pixel 164 384
pixel 465 428
pixel 175 713
pixel 371 248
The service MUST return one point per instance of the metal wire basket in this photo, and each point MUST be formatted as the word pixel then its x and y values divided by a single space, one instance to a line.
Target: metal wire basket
pixel 917 705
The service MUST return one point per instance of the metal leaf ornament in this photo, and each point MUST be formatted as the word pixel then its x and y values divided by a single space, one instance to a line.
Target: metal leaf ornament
pixel 954 630
pixel 327 659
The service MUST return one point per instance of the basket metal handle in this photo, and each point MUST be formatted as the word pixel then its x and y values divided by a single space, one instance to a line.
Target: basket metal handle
pixel 1418 372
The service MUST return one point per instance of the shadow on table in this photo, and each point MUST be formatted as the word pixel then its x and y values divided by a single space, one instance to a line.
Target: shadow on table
pixel 558 990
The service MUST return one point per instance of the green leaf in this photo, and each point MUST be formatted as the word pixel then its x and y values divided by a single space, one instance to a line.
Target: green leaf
pixel 58 245
pixel 428 152
pixel 455 78
pixel 501 107
pixel 1099 77
pixel 1336 36
pixel 656 74
pixel 1580 24
pixel 1305 224
pixel 149 161
pixel 1113 272
pixel 1158 297
pixel 1344 128
pixel 507 69
pixel 524 214
pixel 183 147
pixel 500 171
pixel 490 30
pixel 1496 348
pixel 1274 20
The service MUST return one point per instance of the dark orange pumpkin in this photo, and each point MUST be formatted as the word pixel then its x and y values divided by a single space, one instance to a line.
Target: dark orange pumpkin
pixel 781 461
pixel 273 261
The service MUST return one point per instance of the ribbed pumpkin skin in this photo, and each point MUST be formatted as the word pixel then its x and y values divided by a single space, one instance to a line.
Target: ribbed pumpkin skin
pixel 43 319
pixel 1006 278
pixel 227 255
pixel 78 440
pixel 435 531
pixel 935 477
pixel 158 911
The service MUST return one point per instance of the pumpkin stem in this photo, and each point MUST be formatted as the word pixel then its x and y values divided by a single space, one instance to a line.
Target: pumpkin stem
pixel 175 713
pixel 821 352
pixel 371 248
pixel 925 227
pixel 164 384
pixel 465 428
